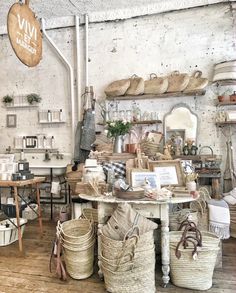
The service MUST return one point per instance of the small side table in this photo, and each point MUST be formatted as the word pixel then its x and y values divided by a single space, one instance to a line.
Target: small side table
pixel 15 184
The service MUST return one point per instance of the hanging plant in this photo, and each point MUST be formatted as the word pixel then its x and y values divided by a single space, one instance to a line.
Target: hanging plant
pixel 33 98
pixel 7 99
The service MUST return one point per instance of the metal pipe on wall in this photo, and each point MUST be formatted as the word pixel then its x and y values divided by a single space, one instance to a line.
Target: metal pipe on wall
pixel 71 79
pixel 86 50
pixel 78 69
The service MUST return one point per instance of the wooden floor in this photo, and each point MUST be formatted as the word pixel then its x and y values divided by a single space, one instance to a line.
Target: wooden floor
pixel 30 272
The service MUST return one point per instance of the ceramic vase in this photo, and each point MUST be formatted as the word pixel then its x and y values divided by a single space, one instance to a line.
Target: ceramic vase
pixel 118 144
pixel 191 186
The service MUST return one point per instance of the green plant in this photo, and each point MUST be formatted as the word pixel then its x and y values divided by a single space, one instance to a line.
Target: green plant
pixel 7 99
pixel 120 127
pixel 33 98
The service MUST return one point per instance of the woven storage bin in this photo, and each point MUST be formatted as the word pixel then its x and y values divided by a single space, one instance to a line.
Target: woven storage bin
pixel 149 148
pixel 140 242
pixel 129 265
pixel 76 231
pixel 132 281
pixel 115 252
pixel 90 214
pixel 128 261
pixel 79 261
pixel 189 273
pixel 78 239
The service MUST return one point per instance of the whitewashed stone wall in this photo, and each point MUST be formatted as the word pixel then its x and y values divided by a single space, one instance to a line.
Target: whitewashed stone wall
pixel 181 40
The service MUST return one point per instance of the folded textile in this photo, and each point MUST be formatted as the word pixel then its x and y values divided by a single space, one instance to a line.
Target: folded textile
pixel 219 218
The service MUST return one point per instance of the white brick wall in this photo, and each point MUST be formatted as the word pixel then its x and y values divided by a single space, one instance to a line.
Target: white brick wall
pixel 184 40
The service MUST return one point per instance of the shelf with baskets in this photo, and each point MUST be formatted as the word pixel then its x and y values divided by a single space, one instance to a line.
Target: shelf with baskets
pixel 165 95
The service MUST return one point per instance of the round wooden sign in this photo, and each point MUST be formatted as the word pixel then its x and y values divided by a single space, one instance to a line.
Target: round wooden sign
pixel 24 34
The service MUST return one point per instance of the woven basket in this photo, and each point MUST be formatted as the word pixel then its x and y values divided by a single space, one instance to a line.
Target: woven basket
pixel 76 231
pixel 156 85
pixel 137 280
pixel 177 81
pixel 79 261
pixel 196 82
pixel 149 148
pixel 105 147
pixel 114 253
pixel 178 217
pixel 189 273
pixel 203 214
pixel 117 88
pixel 90 214
pixel 136 86
pixel 78 239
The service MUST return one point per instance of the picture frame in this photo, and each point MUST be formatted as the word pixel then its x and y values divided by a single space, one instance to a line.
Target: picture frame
pixel 138 179
pixel 11 120
pixel 174 133
pixel 170 172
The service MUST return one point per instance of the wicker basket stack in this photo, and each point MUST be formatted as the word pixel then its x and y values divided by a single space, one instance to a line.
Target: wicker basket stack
pixel 129 265
pixel 78 239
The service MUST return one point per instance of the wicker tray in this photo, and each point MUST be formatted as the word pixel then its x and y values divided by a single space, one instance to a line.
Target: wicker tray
pixel 136 194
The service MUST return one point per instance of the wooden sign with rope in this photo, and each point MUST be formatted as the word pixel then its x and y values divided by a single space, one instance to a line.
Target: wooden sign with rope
pixel 24 33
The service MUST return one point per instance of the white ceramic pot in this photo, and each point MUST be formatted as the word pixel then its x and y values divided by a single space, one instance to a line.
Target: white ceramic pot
pixel 191 186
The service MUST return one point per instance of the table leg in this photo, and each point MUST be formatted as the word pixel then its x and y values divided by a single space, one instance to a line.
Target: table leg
pixel 39 208
pixel 165 244
pixel 18 219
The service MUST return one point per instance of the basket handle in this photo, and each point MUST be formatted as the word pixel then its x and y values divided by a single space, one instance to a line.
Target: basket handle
pixel 178 252
pixel 191 228
pixel 197 74
pixel 152 76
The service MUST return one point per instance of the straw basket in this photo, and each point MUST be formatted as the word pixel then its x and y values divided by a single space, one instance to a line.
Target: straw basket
pixel 178 217
pixel 129 265
pixel 77 238
pixel 79 260
pixel 149 148
pixel 133 281
pixel 192 265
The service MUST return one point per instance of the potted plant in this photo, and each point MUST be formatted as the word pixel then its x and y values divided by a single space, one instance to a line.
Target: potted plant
pixel 33 98
pixel 118 129
pixel 7 99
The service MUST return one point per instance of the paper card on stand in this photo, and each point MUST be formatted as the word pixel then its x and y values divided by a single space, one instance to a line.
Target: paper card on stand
pixel 155 137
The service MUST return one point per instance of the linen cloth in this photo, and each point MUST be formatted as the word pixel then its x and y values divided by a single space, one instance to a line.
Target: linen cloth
pixel 219 218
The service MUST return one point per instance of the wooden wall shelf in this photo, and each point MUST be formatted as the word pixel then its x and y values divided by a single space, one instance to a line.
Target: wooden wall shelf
pixel 165 95
pixel 145 122
pixel 228 103
pixel 225 123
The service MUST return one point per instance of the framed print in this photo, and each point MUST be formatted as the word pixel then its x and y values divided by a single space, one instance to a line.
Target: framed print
pixel 170 172
pixel 138 179
pixel 11 120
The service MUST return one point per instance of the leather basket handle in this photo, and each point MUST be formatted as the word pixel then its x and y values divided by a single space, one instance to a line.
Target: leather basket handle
pixel 177 251
pixel 197 74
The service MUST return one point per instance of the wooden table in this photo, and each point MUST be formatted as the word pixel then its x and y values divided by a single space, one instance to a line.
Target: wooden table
pixel 15 184
pixel 148 208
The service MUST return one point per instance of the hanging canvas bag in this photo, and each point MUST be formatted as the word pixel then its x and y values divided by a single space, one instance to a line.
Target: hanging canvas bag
pixel 196 82
pixel 136 86
pixel 155 85
pixel 177 82
pixel 117 88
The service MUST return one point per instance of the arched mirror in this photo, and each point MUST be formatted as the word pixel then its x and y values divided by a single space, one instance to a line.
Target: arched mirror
pixel 181 123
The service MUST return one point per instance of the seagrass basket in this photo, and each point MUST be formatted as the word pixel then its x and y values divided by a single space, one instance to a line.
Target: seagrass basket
pixel 192 272
pixel 149 148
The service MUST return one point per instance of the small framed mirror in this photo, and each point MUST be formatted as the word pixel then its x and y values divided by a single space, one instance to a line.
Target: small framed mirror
pixel 181 123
